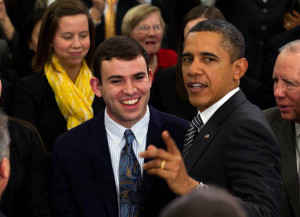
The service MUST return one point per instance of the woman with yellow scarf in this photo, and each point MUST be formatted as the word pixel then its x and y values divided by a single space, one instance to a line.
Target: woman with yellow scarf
pixel 59 97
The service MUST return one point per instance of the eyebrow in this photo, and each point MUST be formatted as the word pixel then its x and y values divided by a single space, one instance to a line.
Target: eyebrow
pixel 120 76
pixel 206 54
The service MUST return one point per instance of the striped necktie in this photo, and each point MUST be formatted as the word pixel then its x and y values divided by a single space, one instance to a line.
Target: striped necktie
pixel 193 130
pixel 110 19
pixel 130 179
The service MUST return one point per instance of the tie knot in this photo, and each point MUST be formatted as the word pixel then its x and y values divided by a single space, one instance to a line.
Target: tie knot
pixel 129 136
pixel 197 122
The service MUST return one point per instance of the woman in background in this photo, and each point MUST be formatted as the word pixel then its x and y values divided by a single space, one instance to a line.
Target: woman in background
pixel 145 24
pixel 58 96
pixel 28 42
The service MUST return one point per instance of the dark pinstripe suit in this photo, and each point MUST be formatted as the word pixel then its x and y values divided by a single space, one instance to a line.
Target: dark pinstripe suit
pixel 285 132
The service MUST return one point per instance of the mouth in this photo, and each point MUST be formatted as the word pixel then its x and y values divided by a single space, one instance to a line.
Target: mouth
pixel 130 102
pixel 284 108
pixel 196 85
pixel 150 42
pixel 75 53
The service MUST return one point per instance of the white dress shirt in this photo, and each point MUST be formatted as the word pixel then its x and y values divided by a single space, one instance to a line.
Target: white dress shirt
pixel 116 141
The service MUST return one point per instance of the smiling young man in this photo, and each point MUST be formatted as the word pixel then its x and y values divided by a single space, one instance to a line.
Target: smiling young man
pixel 233 145
pixel 285 120
pixel 90 161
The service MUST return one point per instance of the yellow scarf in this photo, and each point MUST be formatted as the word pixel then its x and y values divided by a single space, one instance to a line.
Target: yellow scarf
pixel 74 100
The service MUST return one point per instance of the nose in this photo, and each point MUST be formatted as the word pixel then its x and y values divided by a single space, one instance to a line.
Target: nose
pixel 195 68
pixel 279 90
pixel 76 43
pixel 129 89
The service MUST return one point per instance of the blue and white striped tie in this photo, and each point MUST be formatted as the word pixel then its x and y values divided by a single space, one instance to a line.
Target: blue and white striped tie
pixel 191 133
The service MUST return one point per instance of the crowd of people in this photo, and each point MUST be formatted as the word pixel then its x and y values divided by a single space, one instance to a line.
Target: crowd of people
pixel 121 107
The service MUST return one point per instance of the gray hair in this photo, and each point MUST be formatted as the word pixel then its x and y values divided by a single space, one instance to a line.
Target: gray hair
pixel 293 47
pixel 4 136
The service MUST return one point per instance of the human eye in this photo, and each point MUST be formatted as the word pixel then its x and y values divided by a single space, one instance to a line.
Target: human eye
pixel 157 27
pixel 144 27
pixel 84 34
pixel 115 81
pixel 187 59
pixel 66 36
pixel 140 77
pixel 208 59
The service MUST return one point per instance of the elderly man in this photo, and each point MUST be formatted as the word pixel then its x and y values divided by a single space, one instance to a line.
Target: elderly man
pixel 284 120
pixel 229 143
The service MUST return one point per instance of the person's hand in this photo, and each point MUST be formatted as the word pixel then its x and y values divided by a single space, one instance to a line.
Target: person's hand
pixel 169 165
pixel 97 9
pixel 291 20
pixel 3 14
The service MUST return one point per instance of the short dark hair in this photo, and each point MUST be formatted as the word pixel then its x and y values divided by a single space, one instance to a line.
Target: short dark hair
pixel 120 47
pixel 233 40
pixel 210 202
pixel 50 19
pixel 200 11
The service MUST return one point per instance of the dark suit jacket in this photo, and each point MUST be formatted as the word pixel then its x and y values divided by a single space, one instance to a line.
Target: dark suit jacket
pixel 83 180
pixel 165 98
pixel 34 101
pixel 237 149
pixel 285 132
pixel 27 192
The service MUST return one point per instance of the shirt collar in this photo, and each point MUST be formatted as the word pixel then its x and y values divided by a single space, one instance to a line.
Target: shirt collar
pixel 297 129
pixel 207 113
pixel 116 130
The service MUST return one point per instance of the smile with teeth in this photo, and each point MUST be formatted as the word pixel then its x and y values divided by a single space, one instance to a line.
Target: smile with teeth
pixel 130 101
pixel 196 85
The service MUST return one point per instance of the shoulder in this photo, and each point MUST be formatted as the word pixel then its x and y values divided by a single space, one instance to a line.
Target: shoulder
pixel 272 113
pixel 167 56
pixel 21 125
pixel 80 134
pixel 34 82
pixel 168 120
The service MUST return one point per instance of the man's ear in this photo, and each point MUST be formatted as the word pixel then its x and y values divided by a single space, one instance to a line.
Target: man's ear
pixel 150 76
pixel 4 168
pixel 95 84
pixel 240 68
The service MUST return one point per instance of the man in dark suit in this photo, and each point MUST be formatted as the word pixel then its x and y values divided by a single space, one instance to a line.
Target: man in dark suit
pixel 234 146
pixel 86 159
pixel 284 120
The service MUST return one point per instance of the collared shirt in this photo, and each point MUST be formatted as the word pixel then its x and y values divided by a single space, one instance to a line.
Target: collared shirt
pixel 297 139
pixel 116 141
pixel 207 113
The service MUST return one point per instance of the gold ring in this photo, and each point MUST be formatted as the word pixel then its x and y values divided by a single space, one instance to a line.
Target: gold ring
pixel 162 166
pixel 288 24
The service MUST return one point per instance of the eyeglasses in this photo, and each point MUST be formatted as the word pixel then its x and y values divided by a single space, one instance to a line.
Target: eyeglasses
pixel 146 28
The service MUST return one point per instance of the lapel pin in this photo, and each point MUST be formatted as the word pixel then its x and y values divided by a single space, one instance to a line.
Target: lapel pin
pixel 206 136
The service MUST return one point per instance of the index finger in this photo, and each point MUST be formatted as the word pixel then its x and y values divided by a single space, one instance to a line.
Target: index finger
pixel 170 143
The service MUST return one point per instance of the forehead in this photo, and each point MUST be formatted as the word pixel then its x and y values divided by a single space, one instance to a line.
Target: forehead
pixel 199 42
pixel 121 67
pixel 152 17
pixel 72 22
pixel 288 65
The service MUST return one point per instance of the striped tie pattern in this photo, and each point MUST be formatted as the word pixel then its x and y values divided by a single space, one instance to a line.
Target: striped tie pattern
pixel 193 130
pixel 130 179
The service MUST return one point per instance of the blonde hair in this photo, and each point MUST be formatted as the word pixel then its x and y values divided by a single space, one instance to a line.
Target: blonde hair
pixel 136 14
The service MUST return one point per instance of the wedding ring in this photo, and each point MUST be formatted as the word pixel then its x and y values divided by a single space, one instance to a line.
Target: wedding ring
pixel 162 166
pixel 288 24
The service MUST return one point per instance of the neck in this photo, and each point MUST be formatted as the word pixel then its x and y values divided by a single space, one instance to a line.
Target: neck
pixel 73 72
pixel 153 62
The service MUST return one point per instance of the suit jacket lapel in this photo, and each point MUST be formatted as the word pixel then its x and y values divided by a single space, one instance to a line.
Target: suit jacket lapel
pixel 210 129
pixel 286 136
pixel 97 145
pixel 153 137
